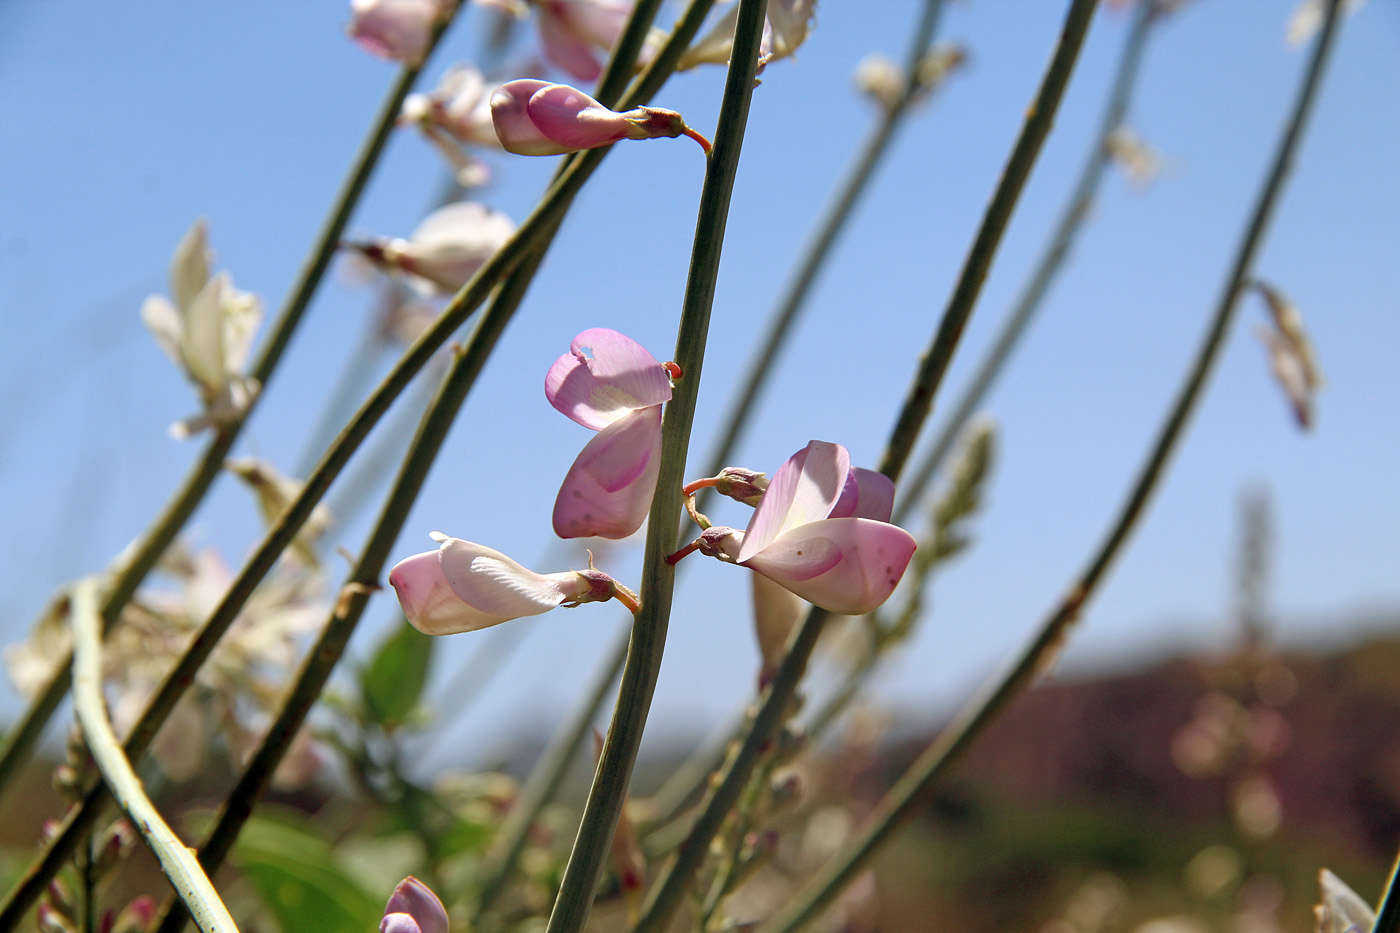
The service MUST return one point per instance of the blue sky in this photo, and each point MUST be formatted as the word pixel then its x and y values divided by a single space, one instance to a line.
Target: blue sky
pixel 123 122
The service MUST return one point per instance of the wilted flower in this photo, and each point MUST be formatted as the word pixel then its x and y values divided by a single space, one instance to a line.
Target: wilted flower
pixel 1342 910
pixel 610 383
pixel 413 908
pixel 456 114
pixel 207 331
pixel 395 29
pixel 275 492
pixel 462 587
pixel 537 118
pixel 784 30
pixel 822 532
pixel 447 248
pixel 1291 354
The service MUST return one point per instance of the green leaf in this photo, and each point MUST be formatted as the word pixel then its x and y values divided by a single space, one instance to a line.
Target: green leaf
pixel 393 680
pixel 299 880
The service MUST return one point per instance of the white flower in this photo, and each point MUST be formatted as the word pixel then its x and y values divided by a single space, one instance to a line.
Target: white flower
pixel 447 248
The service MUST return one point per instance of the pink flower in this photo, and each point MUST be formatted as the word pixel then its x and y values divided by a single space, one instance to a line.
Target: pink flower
pixel 573 31
pixel 462 587
pixel 413 908
pixel 455 115
pixel 447 248
pixel 394 29
pixel 610 383
pixel 822 532
pixel 534 117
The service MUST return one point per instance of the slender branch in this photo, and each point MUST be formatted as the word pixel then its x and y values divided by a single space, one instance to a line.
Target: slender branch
pixel 189 881
pixel 1388 914
pixel 544 781
pixel 1051 261
pixel 838 211
pixel 1041 652
pixel 609 790
pixel 667 893
pixel 137 561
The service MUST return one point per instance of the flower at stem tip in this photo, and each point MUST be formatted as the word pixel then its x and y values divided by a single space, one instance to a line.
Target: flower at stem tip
pixel 537 118
pixel 413 908
pixel 820 531
pixel 462 587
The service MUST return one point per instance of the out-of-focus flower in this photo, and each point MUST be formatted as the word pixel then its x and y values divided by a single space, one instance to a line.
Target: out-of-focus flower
pixel 776 610
pixel 235 692
pixel 610 383
pixel 462 587
pixel 1307 19
pixel 784 30
pixel 1341 909
pixel 538 118
pixel 398 30
pixel 822 532
pixel 1291 354
pixel 573 32
pixel 207 331
pixel 413 908
pixel 1138 160
pixel 447 248
pixel 455 115
pixel 885 82
pixel 275 492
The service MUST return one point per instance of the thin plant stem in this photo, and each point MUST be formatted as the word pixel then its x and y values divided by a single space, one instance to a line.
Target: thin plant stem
pixel 543 783
pixel 1048 266
pixel 1040 654
pixel 179 865
pixel 667 893
pixel 833 221
pixel 131 568
pixel 1388 913
pixel 609 791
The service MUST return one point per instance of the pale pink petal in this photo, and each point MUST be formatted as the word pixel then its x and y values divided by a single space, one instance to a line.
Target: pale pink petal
pixel 204 334
pixel 566 49
pixel 428 600
pixel 164 322
pixel 492 583
pixel 609 489
pixel 867 494
pixel 394 29
pixel 511 117
pixel 415 900
pixel 604 376
pixel 571 118
pixel 845 565
pixel 452 243
pixel 189 266
pixel 599 22
pixel 805 489
pixel 776 610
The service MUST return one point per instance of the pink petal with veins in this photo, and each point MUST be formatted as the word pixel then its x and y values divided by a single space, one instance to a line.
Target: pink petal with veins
pixel 805 489
pixel 414 907
pixel 609 489
pixel 604 376
pixel 844 565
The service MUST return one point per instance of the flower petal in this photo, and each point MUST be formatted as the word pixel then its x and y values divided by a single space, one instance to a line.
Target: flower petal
pixel 845 565
pixel 805 489
pixel 776 610
pixel 604 376
pixel 452 243
pixel 428 600
pixel 867 494
pixel 164 322
pixel 204 334
pixel 492 583
pixel 511 117
pixel 415 899
pixel 565 49
pixel 393 29
pixel 609 488
pixel 569 117
pixel 189 266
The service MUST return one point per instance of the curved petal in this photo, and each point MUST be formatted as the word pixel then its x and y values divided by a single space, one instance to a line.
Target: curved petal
pixel 604 376
pixel 493 584
pixel 845 565
pixel 428 600
pixel 569 117
pixel 394 29
pixel 867 494
pixel 609 488
pixel 453 242
pixel 164 322
pixel 511 117
pixel 189 266
pixel 416 900
pixel 805 489
pixel 776 610
pixel 204 334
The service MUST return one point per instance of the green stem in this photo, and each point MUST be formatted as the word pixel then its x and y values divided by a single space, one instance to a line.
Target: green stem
pixel 544 781
pixel 609 790
pixel 667 892
pixel 133 565
pixel 1051 261
pixel 900 802
pixel 838 211
pixel 189 881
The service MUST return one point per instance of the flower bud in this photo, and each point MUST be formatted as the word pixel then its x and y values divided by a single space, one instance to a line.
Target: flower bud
pixel 534 117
